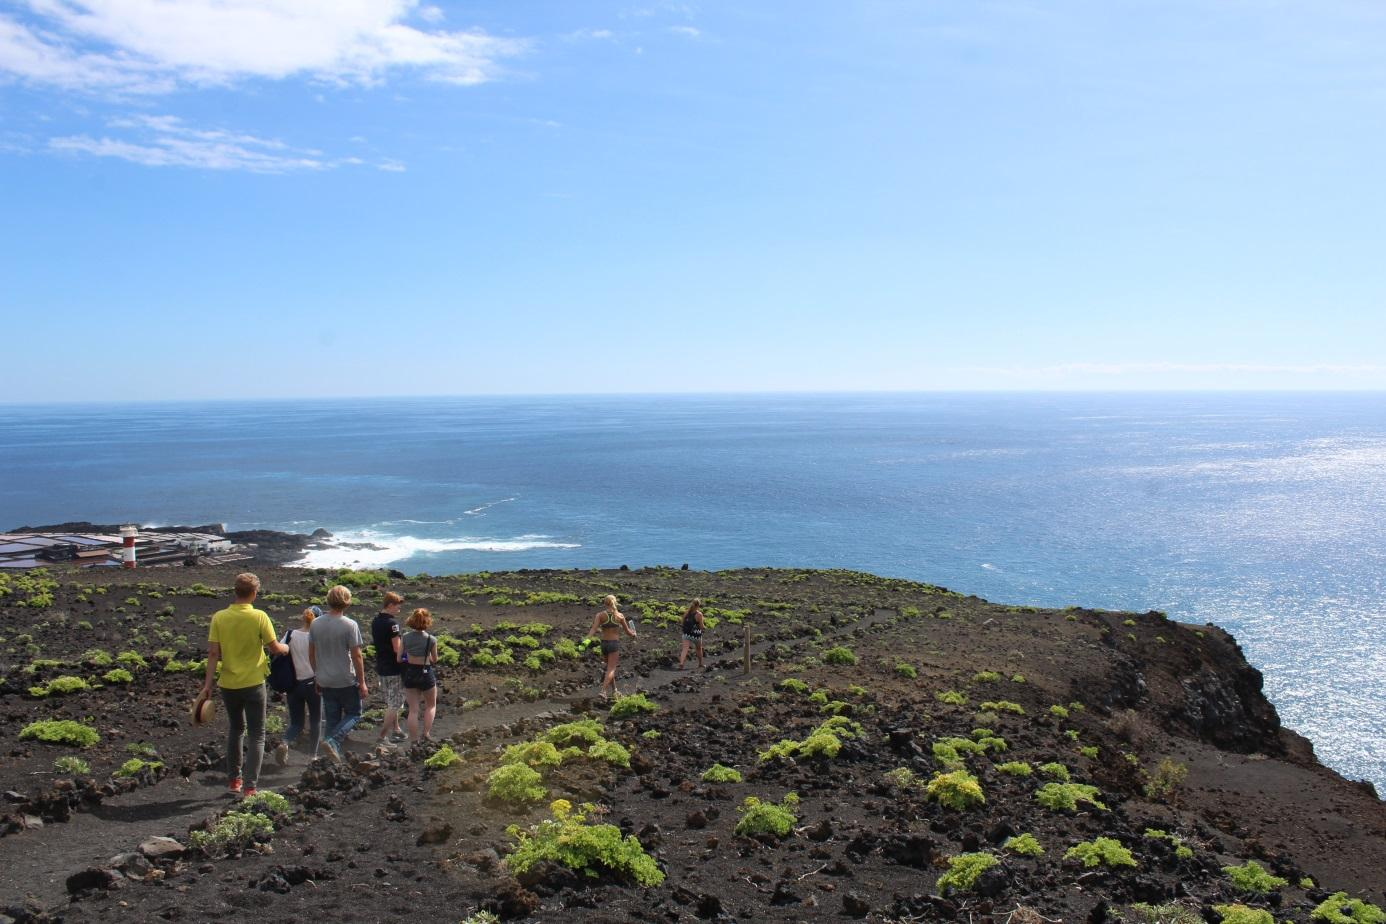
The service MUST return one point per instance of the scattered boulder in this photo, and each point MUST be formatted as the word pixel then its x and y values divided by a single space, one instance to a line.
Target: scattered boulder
pixel 161 848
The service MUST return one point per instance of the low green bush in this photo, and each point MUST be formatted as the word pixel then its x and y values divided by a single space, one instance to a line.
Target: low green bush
pixel 907 671
pixel 442 758
pixel 1015 768
pixel 233 831
pixel 567 839
pixel 96 657
pixel 134 766
pixel 612 752
pixel 1253 878
pixel 957 789
pixel 515 783
pixel 1339 909
pixel 1025 845
pixel 632 705
pixel 951 698
pixel 1055 772
pixel 132 659
pixel 1002 705
pixel 1101 851
pixel 793 685
pixel 271 803
pixel 60 686
pixel 986 677
pixel 839 655
pixel 61 731
pixel 1064 797
pixel 718 773
pixel 1241 914
pixel 760 818
pixel 963 871
pixel 74 766
pixel 118 675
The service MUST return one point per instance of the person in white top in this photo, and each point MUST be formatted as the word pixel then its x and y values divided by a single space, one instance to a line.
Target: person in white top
pixel 304 696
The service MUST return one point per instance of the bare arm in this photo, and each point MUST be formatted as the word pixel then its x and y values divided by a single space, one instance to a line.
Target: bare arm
pixel 277 648
pixel 360 666
pixel 398 645
pixel 213 656
pixel 625 625
pixel 596 625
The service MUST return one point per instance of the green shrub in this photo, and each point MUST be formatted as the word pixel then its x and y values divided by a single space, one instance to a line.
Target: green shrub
pixel 481 917
pixel 362 579
pixel 582 731
pixel 1017 678
pixel 839 655
pixel 118 675
pixel 767 818
pixel 568 840
pixel 233 831
pixel 794 685
pixel 994 744
pixel 610 751
pixel 1058 712
pixel 134 766
pixel 1306 882
pixel 450 656
pixel 957 789
pixel 986 677
pixel 1252 877
pixel 818 697
pixel 1003 705
pixel 132 659
pixel 1064 797
pixel 1241 914
pixel 60 685
pixel 271 803
pixel 903 778
pixel 1015 768
pixel 1339 909
pixel 1102 851
pixel 1168 776
pixel 533 754
pixel 61 731
pixel 1025 845
pixel 906 670
pixel 632 705
pixel 1089 752
pixel 963 871
pixel 565 648
pixel 650 734
pixel 442 758
pixel 515 783
pixel 1168 913
pixel 951 698
pixel 96 657
pixel 717 773
pixel 74 766
pixel 1055 772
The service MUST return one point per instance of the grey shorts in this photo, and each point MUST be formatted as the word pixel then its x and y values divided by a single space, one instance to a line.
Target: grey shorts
pixel 610 646
pixel 392 688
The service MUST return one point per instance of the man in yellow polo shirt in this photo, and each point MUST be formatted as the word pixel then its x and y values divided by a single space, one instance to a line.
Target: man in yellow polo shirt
pixel 236 640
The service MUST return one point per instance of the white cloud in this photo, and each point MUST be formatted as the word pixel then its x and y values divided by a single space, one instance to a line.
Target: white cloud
pixel 688 31
pixel 165 141
pixel 432 14
pixel 155 46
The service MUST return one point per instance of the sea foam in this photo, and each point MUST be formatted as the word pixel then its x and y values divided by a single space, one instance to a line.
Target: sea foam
pixel 368 548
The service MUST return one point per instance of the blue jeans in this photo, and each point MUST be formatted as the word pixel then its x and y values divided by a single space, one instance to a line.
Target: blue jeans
pixel 341 710
pixel 245 712
pixel 304 698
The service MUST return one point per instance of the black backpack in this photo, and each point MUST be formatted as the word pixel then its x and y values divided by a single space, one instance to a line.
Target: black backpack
pixel 282 677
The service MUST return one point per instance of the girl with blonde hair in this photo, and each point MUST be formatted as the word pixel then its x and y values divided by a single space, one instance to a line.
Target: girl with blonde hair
pixel 609 623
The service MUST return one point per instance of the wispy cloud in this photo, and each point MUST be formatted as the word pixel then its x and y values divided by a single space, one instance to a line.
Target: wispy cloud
pixel 167 141
pixel 692 32
pixel 154 46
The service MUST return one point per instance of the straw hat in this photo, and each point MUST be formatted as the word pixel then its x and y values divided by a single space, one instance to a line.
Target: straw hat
pixel 203 709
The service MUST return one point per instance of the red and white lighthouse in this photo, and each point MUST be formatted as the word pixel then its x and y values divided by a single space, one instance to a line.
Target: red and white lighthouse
pixel 127 537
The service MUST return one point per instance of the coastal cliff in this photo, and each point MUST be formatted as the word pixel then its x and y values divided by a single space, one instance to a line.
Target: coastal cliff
pixel 949 759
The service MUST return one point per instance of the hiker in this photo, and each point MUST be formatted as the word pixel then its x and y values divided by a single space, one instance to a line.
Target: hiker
pixel 609 623
pixel 334 651
pixel 385 637
pixel 236 640
pixel 692 632
pixel 303 698
pixel 420 675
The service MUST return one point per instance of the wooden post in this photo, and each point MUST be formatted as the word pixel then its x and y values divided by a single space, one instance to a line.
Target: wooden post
pixel 746 662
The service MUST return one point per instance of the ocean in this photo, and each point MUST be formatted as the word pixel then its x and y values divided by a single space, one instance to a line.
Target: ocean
pixel 1264 513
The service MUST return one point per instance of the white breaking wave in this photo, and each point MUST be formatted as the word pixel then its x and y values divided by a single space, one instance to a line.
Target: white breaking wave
pixel 370 549
pixel 477 511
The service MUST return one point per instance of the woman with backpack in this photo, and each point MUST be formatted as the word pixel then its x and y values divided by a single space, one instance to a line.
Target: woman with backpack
pixel 692 632
pixel 419 656
pixel 303 695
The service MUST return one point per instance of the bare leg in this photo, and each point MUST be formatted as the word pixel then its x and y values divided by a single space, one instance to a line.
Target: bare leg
pixel 700 653
pixel 429 710
pixel 412 719
pixel 683 653
pixel 610 679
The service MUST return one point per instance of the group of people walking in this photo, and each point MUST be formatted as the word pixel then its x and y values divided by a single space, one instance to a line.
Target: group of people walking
pixel 323 673
pixel 326 688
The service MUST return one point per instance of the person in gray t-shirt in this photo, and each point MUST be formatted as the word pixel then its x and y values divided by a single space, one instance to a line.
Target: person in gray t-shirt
pixel 334 649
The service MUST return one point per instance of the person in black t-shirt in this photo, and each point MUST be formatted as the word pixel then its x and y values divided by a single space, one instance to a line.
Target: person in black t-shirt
pixel 385 637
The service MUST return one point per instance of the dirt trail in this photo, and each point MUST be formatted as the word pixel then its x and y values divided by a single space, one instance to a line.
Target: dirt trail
pixel 174 804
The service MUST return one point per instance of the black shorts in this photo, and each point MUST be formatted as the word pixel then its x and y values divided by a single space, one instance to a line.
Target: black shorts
pixel 611 646
pixel 419 677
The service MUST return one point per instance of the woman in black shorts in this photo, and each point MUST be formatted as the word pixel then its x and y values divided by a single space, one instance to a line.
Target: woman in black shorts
pixel 420 655
pixel 692 632
pixel 609 623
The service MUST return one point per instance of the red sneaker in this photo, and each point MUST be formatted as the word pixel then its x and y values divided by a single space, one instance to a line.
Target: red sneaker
pixel 249 792
pixel 234 787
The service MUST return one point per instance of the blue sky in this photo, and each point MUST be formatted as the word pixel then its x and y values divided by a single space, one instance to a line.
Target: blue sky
pixel 265 198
